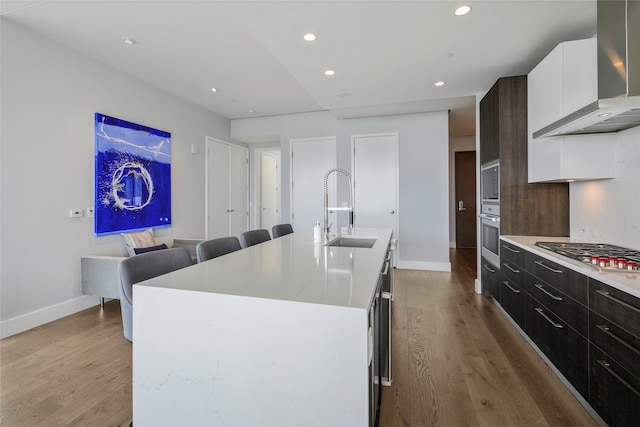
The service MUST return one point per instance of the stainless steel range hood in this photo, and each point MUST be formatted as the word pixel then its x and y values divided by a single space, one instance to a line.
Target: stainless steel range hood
pixel 618 104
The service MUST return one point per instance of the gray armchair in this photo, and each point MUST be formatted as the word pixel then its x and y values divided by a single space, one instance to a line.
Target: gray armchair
pixel 142 267
pixel 217 247
pixel 253 237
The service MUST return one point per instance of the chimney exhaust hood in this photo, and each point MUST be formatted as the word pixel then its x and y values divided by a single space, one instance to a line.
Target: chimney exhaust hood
pixel 618 105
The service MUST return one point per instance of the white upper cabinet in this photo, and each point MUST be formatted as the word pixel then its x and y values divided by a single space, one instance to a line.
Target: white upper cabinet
pixel 565 81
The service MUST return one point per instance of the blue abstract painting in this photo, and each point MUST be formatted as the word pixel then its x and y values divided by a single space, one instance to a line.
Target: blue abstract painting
pixel 132 176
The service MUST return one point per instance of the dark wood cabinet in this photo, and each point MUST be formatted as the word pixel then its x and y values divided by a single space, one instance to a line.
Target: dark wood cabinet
pixel 588 330
pixel 490 276
pixel 513 296
pixel 613 392
pixel 525 209
pixel 614 354
pixel 513 299
pixel 565 348
pixel 490 126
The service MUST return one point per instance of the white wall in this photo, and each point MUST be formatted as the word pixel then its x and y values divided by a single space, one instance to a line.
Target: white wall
pixel 49 96
pixel 424 171
pixel 465 143
pixel 608 211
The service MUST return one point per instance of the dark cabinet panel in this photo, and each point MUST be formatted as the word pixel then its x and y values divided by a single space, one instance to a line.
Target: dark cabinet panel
pixel 566 280
pixel 564 347
pixel 617 306
pixel 511 254
pixel 574 314
pixel 490 275
pixel 619 344
pixel 514 300
pixel 489 126
pixel 525 209
pixel 613 392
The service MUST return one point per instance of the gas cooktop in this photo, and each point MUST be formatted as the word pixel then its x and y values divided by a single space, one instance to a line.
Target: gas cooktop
pixel 598 255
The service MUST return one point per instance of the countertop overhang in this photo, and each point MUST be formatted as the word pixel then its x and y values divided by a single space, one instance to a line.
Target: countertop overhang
pixel 627 282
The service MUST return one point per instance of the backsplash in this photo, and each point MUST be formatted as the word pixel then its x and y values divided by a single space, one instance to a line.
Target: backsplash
pixel 608 211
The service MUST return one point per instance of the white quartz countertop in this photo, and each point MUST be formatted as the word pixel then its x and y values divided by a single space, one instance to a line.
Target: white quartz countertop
pixel 290 268
pixel 627 282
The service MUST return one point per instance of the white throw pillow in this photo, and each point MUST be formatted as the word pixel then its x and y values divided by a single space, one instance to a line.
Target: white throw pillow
pixel 143 239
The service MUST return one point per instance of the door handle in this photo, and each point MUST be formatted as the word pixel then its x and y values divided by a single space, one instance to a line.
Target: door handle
pixel 392 211
pixel 230 210
pixel 461 206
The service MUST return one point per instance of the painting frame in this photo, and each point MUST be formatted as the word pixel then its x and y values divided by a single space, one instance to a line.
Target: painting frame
pixel 132 176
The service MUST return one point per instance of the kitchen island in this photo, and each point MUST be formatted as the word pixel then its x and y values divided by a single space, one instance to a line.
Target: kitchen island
pixel 280 333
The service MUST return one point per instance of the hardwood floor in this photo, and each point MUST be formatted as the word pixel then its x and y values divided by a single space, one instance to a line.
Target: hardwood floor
pixel 457 361
pixel 75 371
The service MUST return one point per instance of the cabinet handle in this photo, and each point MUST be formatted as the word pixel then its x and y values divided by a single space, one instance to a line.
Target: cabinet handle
pixel 547 292
pixel 515 291
pixel 386 268
pixel 619 301
pixel 607 331
pixel 555 325
pixel 607 366
pixel 541 264
pixel 510 268
pixel 509 248
pixel 486 266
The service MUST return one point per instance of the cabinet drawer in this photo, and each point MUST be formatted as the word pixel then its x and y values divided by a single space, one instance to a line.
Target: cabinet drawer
pixel 617 306
pixel 490 275
pixel 514 300
pixel 566 280
pixel 574 314
pixel 613 392
pixel 511 254
pixel 616 342
pixel 514 272
pixel 564 347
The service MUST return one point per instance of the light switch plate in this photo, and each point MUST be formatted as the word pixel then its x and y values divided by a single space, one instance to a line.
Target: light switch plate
pixel 75 213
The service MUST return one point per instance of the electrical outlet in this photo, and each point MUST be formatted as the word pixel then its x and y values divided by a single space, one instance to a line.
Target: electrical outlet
pixel 90 212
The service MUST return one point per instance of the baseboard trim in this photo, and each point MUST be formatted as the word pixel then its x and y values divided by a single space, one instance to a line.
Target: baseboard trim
pixel 39 317
pixel 420 265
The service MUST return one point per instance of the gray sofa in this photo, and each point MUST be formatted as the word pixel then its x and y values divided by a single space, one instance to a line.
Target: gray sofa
pixel 100 275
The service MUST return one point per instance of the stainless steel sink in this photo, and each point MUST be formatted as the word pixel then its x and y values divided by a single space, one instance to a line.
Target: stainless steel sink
pixel 353 242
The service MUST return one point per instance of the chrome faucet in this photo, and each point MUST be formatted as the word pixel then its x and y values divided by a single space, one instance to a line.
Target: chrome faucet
pixel 327 227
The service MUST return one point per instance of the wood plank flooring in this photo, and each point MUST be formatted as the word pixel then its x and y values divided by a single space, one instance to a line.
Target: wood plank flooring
pixel 457 361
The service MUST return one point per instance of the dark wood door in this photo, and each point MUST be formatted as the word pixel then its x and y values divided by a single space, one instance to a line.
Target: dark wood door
pixel 465 191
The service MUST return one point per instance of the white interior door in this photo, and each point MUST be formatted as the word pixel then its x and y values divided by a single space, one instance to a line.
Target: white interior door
pixel 217 189
pixel 226 189
pixel 269 191
pixel 238 190
pixel 375 176
pixel 311 158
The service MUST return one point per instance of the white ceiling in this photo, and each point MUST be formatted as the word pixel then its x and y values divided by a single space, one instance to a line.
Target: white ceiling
pixel 387 54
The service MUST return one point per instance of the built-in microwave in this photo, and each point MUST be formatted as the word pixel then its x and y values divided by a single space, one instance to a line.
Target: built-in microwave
pixel 490 183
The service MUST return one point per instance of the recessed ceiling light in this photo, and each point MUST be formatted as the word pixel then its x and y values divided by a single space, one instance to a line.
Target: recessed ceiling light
pixel 213 89
pixel 440 83
pixel 604 115
pixel 129 41
pixel 329 72
pixel 463 10
pixel 309 37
